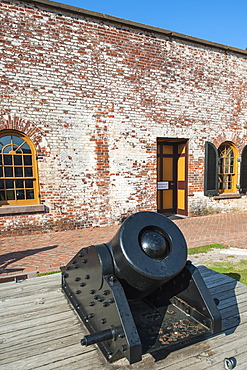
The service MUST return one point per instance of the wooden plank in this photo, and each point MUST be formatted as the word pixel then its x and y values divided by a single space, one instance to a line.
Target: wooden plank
pixel 194 354
pixel 36 337
pixel 24 298
pixel 39 360
pixel 40 330
pixel 224 290
pixel 33 311
pixel 32 283
pixel 8 328
pixel 209 354
pixel 88 361
pixel 24 289
pixel 29 307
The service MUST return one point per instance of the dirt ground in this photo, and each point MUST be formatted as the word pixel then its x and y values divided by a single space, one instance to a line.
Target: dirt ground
pixel 220 255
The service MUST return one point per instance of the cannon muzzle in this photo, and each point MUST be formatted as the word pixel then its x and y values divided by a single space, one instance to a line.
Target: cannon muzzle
pixel 147 251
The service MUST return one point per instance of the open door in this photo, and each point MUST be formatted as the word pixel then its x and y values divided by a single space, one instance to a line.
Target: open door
pixel 172 176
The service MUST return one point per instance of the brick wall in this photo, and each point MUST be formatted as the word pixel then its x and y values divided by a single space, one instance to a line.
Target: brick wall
pixel 94 96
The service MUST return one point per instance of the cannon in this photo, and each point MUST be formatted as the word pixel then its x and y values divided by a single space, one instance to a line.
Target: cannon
pixel 138 293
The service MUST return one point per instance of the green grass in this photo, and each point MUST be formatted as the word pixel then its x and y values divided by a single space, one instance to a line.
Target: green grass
pixel 48 273
pixel 206 248
pixel 236 270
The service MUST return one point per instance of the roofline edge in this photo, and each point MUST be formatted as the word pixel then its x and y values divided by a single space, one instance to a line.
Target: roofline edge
pixel 140 26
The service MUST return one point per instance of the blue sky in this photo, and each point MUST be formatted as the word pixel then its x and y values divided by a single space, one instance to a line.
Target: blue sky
pixel 221 21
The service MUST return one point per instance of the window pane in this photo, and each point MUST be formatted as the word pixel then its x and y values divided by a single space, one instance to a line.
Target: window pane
pixel 19 184
pixel 8 171
pixel 28 160
pixel 17 140
pixel 7 159
pixel 7 149
pixel 16 169
pixel 10 194
pixel 26 149
pixel 5 140
pixel 29 183
pixel 30 194
pixel 18 159
pixel 226 168
pixel 20 194
pixel 28 171
pixel 9 184
pixel 18 172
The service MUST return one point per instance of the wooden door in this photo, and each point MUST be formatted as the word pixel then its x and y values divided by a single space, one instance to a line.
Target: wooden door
pixel 172 177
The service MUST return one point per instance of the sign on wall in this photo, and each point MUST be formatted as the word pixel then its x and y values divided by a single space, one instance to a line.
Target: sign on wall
pixel 163 185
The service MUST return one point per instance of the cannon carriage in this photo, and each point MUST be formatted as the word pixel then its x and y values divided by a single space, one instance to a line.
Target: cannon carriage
pixel 138 293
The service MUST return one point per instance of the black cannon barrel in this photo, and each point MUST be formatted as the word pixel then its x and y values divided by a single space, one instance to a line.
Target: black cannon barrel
pixel 148 250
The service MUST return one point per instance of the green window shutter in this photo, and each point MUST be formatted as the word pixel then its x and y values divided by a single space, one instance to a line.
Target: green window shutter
pixel 211 169
pixel 243 171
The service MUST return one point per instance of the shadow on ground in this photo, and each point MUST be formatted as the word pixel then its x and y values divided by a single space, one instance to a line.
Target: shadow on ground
pixel 13 257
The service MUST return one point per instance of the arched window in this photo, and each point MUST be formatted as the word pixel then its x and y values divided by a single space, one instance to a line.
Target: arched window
pixel 18 170
pixel 227 168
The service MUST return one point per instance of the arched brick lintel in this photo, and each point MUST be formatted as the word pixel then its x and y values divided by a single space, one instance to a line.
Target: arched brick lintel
pixel 28 128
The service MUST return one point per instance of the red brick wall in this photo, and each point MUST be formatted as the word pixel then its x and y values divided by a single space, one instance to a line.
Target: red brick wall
pixel 94 97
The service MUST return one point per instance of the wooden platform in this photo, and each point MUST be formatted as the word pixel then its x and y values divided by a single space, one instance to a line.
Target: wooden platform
pixel 39 330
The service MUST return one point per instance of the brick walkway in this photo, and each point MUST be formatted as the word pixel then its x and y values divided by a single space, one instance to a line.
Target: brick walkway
pixel 47 252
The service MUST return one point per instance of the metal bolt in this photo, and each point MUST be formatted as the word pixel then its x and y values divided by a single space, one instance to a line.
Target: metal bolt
pixel 122 335
pixel 87 277
pixel 81 255
pixel 66 275
pixel 106 292
pixel 84 261
pixel 78 292
pixel 229 363
pixel 216 301
pixel 68 268
pixel 83 284
pixel 105 304
pixel 103 321
pixel 188 263
pixel 100 299
pixel 76 266
pixel 91 315
pixel 92 291
pixel 124 348
pixel 91 303
pixel 77 279
pixel 111 300
pixel 74 262
pixel 112 279
pixel 96 296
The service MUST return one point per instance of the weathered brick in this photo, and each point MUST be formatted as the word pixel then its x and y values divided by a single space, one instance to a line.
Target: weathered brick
pixel 94 97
